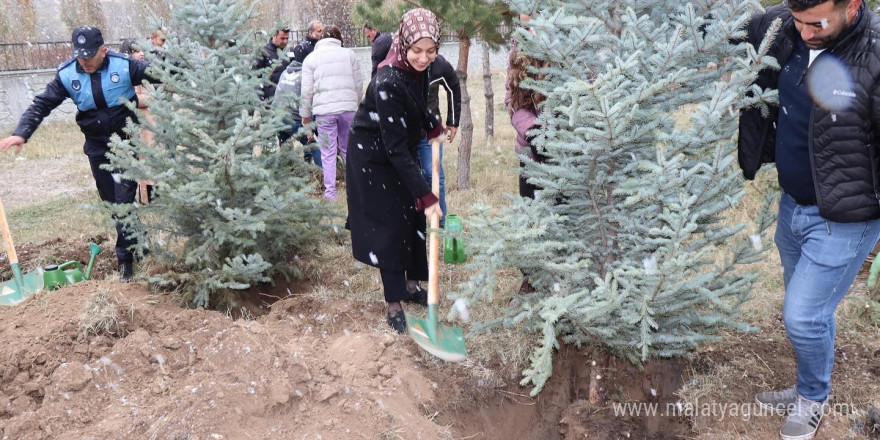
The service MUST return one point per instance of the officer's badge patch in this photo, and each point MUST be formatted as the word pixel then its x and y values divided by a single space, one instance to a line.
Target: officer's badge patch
pixel 76 85
pixel 114 77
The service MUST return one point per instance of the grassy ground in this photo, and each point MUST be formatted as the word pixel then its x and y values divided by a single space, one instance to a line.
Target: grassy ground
pixel 47 189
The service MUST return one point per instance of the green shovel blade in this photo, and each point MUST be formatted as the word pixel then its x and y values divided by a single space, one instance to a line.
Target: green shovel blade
pixel 20 286
pixel 443 341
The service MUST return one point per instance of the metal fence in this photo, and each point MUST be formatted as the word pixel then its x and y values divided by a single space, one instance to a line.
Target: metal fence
pixel 36 56
pixel 30 56
pixel 49 54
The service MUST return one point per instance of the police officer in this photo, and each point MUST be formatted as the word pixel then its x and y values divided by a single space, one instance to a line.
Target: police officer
pixel 99 82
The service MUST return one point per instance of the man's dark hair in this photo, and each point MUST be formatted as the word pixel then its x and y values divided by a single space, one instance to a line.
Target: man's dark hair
pixel 803 5
pixel 333 32
pixel 285 29
pixel 367 25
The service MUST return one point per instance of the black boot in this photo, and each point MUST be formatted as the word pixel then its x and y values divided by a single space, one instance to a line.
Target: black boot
pixel 126 272
pixel 398 322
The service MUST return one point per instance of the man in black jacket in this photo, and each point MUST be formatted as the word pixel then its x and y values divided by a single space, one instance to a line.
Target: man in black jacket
pixel 442 74
pixel 268 55
pixel 381 44
pixel 99 82
pixel 823 138
pixel 315 32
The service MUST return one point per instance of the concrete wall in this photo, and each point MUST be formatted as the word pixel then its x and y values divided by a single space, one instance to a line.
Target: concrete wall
pixel 17 90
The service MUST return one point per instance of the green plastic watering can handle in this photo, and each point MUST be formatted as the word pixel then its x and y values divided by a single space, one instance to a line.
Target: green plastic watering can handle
pixel 68 264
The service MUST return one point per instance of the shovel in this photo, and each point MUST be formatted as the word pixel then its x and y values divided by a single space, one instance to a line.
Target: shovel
pixel 443 341
pixel 14 291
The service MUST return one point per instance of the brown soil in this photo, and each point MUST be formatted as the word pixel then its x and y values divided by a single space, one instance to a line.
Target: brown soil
pixel 305 367
pixel 328 368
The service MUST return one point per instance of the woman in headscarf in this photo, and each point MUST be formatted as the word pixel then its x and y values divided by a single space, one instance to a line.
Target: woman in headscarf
pixel 388 198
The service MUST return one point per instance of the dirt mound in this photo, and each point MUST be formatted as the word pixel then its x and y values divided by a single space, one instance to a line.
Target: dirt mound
pixel 323 368
pixel 307 370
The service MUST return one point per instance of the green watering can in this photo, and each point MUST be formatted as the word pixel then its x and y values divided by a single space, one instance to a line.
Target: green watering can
pixel 22 285
pixel 453 247
pixel 56 276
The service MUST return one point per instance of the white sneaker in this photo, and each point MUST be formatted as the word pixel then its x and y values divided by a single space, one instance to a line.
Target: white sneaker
pixel 803 419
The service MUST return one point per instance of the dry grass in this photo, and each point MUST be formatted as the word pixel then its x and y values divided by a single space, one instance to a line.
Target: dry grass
pixel 65 217
pixel 48 190
pixel 51 140
pixel 101 314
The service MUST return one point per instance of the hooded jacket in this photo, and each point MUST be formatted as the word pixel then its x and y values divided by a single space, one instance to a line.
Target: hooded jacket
pixel 843 142
pixel 331 80
pixel 287 94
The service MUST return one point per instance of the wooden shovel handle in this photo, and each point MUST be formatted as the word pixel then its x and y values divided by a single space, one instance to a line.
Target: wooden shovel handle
pixel 434 243
pixel 7 237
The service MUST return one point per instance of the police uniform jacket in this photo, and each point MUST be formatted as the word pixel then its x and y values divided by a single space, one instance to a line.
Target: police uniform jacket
pixel 99 97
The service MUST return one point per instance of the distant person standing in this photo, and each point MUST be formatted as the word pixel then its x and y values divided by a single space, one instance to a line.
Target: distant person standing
pixel 441 73
pixel 381 43
pixel 269 54
pixel 131 48
pixel 99 82
pixel 315 31
pixel 332 86
pixel 157 37
pixel 287 96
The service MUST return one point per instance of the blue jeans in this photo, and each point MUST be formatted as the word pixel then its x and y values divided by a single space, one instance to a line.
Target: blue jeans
pixel 820 260
pixel 425 159
pixel 311 152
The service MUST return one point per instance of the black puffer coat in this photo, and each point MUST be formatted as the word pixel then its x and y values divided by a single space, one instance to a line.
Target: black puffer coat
pixel 382 173
pixel 844 142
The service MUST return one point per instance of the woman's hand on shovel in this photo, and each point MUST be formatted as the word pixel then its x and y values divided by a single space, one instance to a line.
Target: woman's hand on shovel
pixel 12 141
pixel 433 210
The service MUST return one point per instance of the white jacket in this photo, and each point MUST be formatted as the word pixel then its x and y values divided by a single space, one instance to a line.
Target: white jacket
pixel 331 80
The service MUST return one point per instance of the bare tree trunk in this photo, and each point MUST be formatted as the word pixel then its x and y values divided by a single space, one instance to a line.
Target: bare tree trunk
pixel 490 96
pixel 28 20
pixel 466 125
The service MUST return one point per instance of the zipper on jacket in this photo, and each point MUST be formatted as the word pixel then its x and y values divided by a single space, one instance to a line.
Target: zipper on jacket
pixel 870 149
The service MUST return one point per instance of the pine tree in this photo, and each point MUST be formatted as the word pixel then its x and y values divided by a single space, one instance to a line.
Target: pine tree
pixel 231 205
pixel 465 19
pixel 628 245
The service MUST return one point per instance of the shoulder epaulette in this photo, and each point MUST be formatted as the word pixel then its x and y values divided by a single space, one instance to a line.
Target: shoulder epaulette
pixel 65 64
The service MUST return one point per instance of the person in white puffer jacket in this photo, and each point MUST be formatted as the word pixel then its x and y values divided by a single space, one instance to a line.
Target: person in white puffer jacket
pixel 332 87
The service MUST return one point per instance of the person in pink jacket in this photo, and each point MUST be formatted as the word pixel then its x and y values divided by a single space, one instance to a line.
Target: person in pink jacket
pixel 332 86
pixel 523 107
